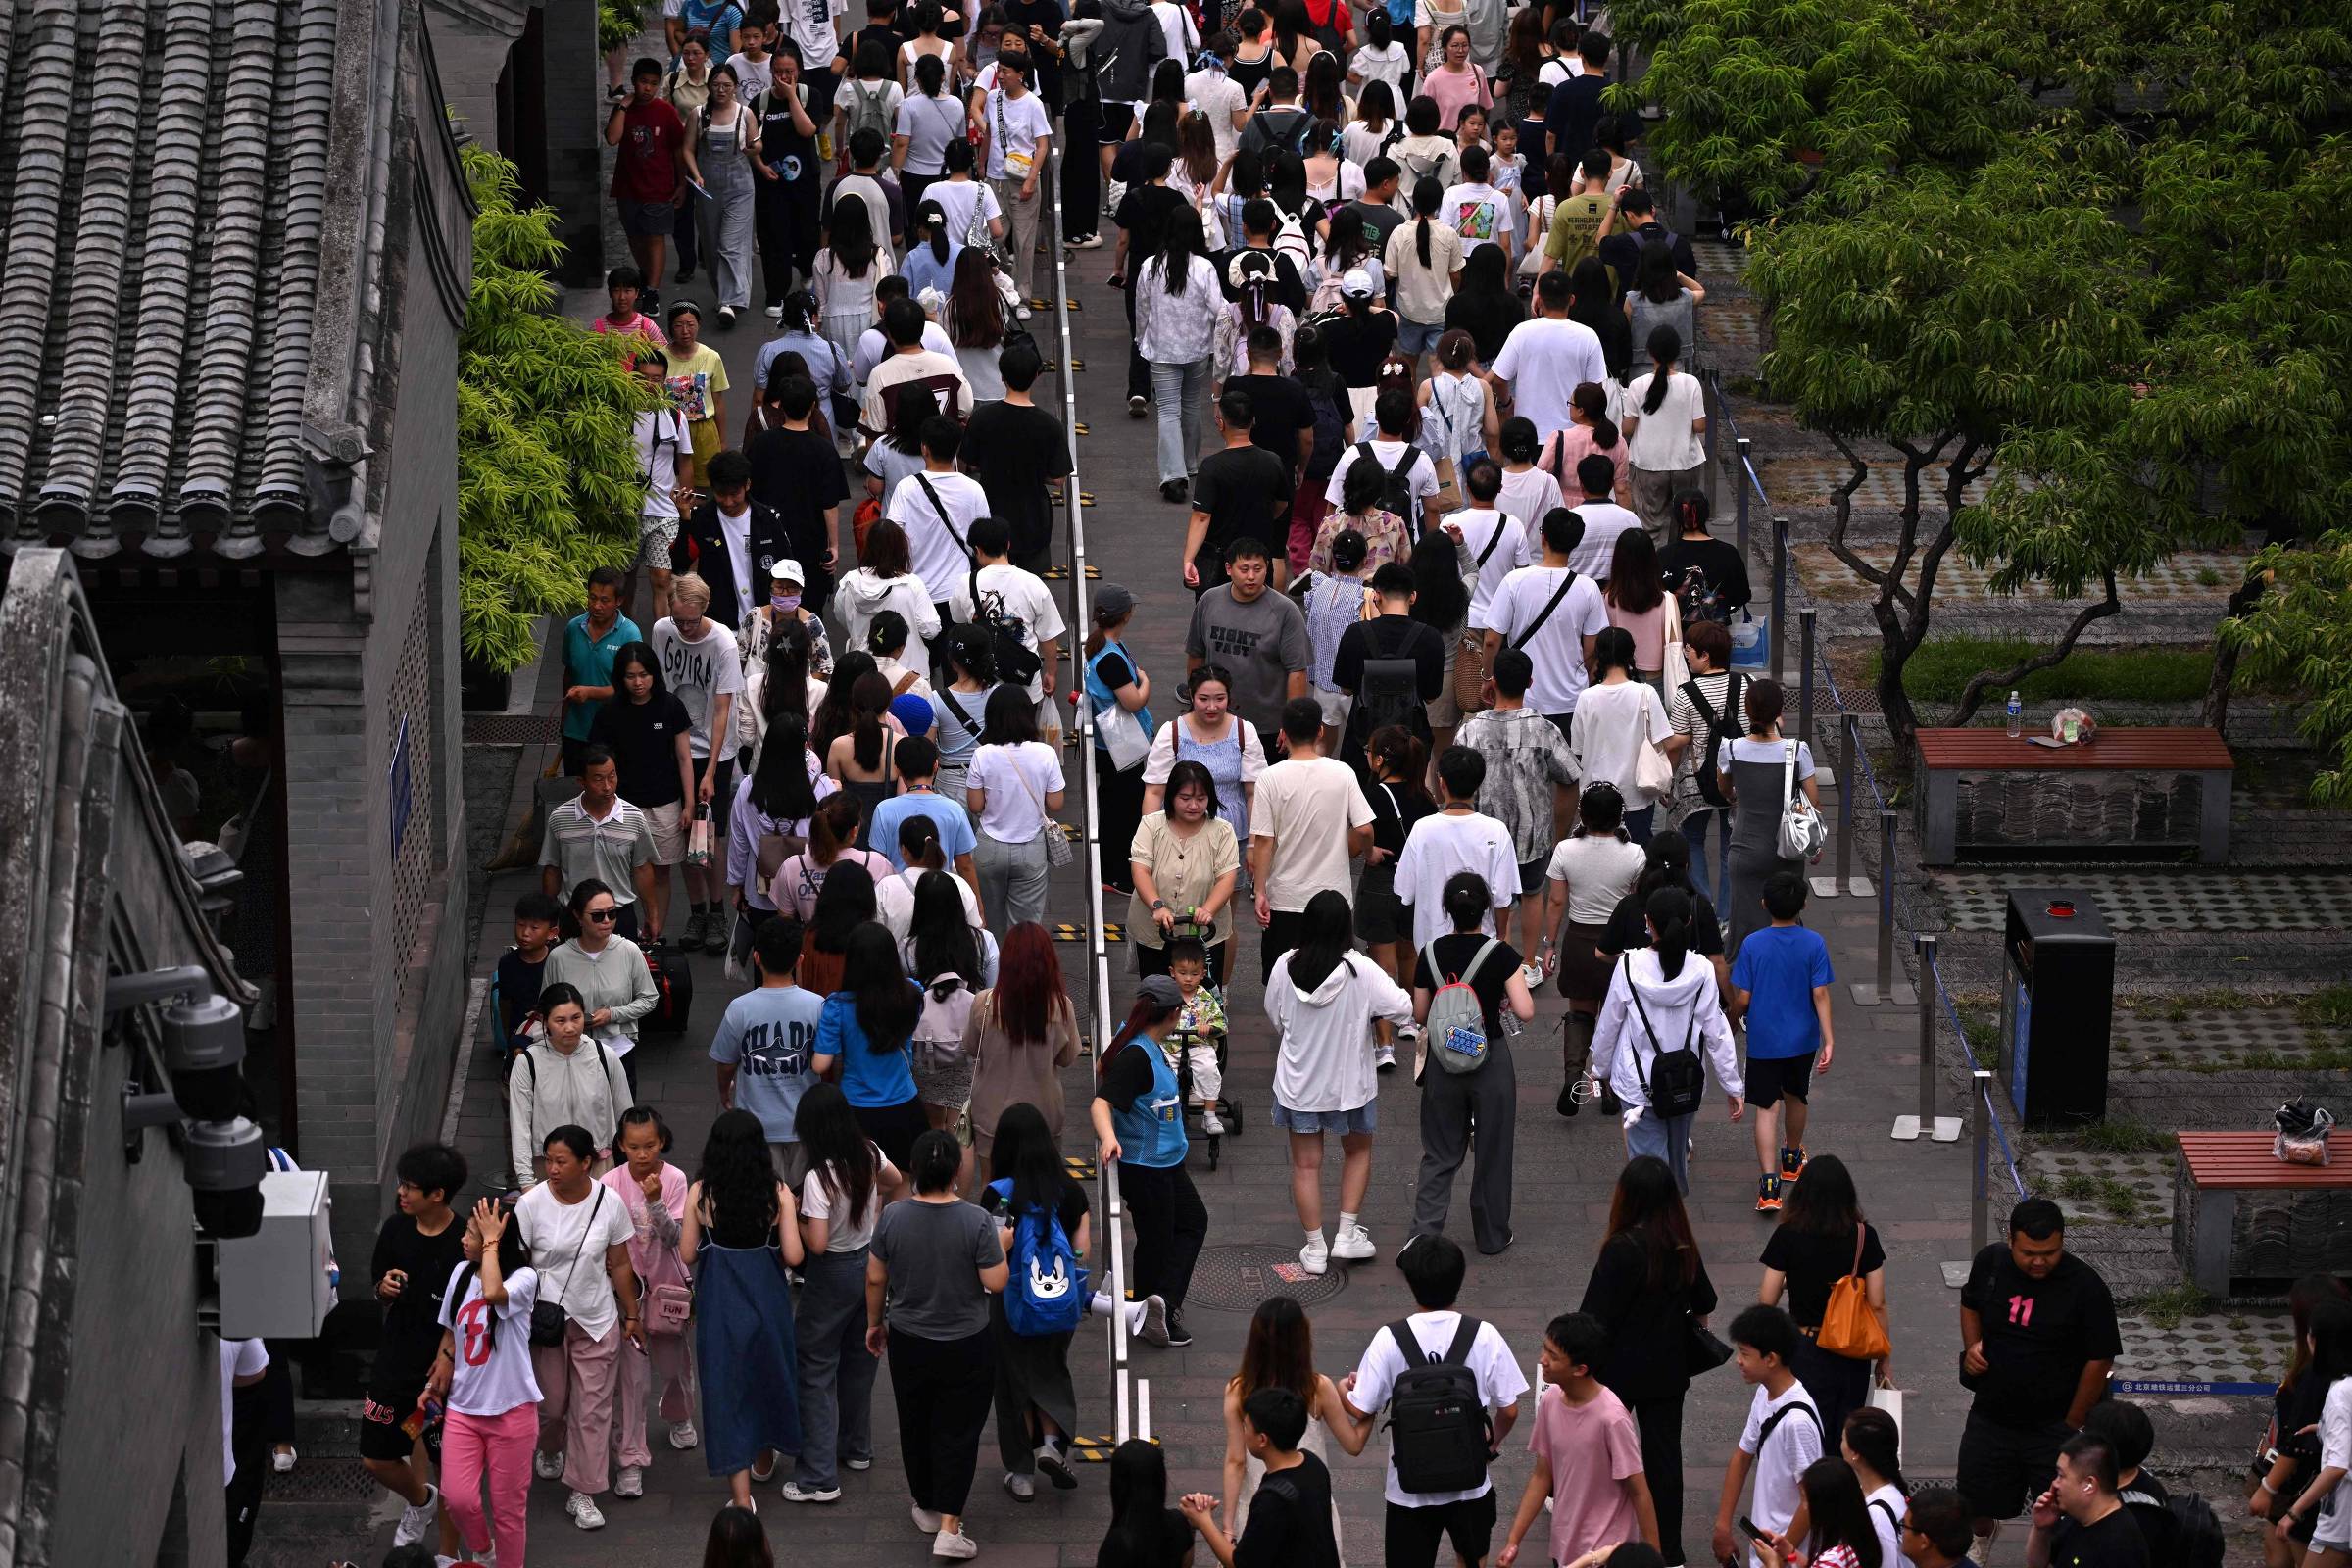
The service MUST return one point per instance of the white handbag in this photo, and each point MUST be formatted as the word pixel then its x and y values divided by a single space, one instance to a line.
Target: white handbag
pixel 1122 736
pixel 1803 834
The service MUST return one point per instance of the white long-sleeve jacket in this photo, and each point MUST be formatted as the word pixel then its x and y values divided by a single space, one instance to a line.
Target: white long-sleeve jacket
pixel 1623 1052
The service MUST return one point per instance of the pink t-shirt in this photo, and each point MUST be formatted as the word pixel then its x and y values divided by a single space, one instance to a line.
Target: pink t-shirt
pixel 1571 447
pixel 1592 1448
pixel 641 325
pixel 1453 90
pixel 1649 635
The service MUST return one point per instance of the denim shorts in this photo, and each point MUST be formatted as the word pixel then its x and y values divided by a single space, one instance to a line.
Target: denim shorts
pixel 1358 1120
pixel 1417 337
pixel 647 220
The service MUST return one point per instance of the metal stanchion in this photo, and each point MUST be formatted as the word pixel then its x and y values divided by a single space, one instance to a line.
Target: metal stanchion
pixel 1740 450
pixel 1980 1088
pixel 1780 596
pixel 1884 987
pixel 1943 1129
pixel 1849 746
pixel 1804 676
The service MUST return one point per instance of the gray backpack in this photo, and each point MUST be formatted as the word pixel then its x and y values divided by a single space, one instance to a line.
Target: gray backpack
pixel 1458 1018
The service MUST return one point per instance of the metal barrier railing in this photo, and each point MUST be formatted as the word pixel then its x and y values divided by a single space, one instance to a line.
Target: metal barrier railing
pixel 1097 957
pixel 1854 762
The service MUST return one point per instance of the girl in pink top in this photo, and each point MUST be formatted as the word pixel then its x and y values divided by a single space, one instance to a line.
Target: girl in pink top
pixel 655 1192
pixel 1636 601
pixel 1589 433
pixel 484 1374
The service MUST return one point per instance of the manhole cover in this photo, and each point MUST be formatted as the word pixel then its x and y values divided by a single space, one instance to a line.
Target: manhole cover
pixel 511 729
pixel 326 1479
pixel 1235 1279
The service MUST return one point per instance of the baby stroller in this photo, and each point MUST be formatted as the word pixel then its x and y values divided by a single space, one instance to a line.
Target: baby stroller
pixel 1229 1109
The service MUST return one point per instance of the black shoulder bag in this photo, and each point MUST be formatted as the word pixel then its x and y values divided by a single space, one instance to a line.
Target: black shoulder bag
pixel 548 1320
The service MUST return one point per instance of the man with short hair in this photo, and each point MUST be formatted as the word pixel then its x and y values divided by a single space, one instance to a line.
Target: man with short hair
pixel 590 640
pixel 910 360
pixel 1020 136
pixel 1572 115
pixel 1308 821
pixel 1291 1514
pixel 1604 519
pixel 1548 356
pixel 937 508
pixel 1016 449
pixel 1456 837
pixel 2078 1520
pixel 1934 1529
pixel 874 347
pixel 1282 419
pixel 1418 1522
pixel 1278 125
pixel 1782 1435
pixel 665 458
pixel 917 761
pixel 1636 226
pixel 2039 1337
pixel 1554 612
pixel 1259 637
pixel 2125 1429
pixel 1015 598
pixel 1495 540
pixel 1781 989
pixel 1407 466
pixel 702 668
pixel 1587 1453
pixel 731 543
pixel 1392 667
pixel 763 1044
pixel 1527 768
pixel 796 474
pixel 649 172
pixel 598 834
pixel 1377 206
pixel 1581 216
pixel 885 204
pixel 1241 489
pixel 418 1248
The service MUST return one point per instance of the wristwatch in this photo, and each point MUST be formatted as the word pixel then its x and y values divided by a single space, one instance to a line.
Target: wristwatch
pixel 1159 904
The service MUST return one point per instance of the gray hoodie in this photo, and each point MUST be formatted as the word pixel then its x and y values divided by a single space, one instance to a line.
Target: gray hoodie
pixel 548 1088
pixel 1131 47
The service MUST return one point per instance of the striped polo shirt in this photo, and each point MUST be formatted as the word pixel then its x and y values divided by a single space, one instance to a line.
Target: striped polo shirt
pixel 579 846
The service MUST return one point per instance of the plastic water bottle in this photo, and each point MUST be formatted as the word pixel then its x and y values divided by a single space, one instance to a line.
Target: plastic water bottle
pixel 2017 716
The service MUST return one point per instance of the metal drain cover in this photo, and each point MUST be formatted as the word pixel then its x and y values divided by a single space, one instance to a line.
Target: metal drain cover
pixel 327 1478
pixel 511 729
pixel 1235 1279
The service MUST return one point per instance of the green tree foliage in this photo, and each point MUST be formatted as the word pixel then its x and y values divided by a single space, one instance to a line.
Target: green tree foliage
pixel 619 23
pixel 548 486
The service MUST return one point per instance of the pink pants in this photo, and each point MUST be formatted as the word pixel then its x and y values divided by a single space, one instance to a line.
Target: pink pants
pixel 1308 511
pixel 665 1365
pixel 500 1444
pixel 577 1397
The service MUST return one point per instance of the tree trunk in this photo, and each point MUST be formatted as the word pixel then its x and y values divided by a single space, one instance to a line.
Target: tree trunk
pixel 2215 713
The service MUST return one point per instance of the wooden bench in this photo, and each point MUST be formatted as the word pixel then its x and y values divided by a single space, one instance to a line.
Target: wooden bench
pixel 2053 814
pixel 2302 1224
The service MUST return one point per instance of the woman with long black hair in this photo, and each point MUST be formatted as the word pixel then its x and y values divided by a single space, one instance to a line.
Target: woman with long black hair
pixel 1822 1238
pixel 1648 1288
pixel 975 322
pixel 1592 300
pixel 1425 257
pixel 741 1233
pixel 769 821
pixel 1012 790
pixel 1145 1531
pixel 1177 303
pixel 849 1181
pixel 865 1026
pixel 1138 1115
pixel 1037 1405
pixel 1665 431
pixel 1658 995
pixel 1839 1533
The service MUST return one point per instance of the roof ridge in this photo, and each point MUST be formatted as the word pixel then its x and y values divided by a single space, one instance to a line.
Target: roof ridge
pixel 305 110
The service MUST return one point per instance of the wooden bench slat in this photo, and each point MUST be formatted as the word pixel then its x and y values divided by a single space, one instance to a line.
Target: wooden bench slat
pixel 2132 748
pixel 2243 1161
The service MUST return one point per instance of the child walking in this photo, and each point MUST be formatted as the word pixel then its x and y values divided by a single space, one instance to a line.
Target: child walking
pixel 1781 985
pixel 1587 1453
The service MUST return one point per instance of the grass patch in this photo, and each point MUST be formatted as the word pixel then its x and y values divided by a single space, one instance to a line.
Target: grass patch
pixel 2329 1008
pixel 2125 1135
pixel 2319 1058
pixel 1943 666
pixel 2166 1308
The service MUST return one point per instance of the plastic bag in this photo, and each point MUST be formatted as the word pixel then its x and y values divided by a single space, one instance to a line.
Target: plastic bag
pixel 2302 1133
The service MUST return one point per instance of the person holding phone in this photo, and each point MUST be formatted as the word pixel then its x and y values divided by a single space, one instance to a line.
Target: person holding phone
pixel 1782 1438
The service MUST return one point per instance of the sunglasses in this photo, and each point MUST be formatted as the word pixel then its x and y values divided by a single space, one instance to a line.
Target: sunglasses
pixel 602 916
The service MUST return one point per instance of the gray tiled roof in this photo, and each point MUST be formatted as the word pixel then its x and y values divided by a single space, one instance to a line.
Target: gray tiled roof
pixel 162 192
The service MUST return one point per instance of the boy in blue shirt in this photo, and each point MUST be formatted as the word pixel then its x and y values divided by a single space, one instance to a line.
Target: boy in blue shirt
pixel 1781 985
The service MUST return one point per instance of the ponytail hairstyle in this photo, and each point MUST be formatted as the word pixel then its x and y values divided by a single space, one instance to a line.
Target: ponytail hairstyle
pixel 1253 277
pixel 1665 347
pixel 1428 197
pixel 832 828
pixel 1878 1442
pixel 1590 400
pixel 1393 749
pixel 930 76
pixel 1600 809
pixel 1669 912
pixel 1518 439
pixel 1145 1015
pixel 1104 623
pixel 869 700
pixel 800 310
pixel 932 219
pixel 1466 899
pixel 919 841
pixel 1377 32
pixel 1691 512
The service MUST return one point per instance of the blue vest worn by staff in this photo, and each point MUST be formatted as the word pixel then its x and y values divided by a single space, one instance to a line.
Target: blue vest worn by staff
pixel 1099 694
pixel 1152 1130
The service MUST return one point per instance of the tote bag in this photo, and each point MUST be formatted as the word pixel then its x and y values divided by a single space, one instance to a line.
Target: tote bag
pixel 1849 1325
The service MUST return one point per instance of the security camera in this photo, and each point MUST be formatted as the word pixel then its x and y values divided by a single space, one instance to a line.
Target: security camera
pixel 224 1155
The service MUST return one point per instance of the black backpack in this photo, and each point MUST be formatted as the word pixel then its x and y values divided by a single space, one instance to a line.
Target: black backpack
pixel 2190 1536
pixel 1719 728
pixel 1439 1434
pixel 1677 1083
pixel 1323 396
pixel 1016 662
pixel 1272 140
pixel 1389 690
pixel 1396 484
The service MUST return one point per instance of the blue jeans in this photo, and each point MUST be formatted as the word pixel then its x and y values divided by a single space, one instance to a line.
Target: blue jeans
pixel 1696 829
pixel 837 1375
pixel 1181 391
pixel 1668 1138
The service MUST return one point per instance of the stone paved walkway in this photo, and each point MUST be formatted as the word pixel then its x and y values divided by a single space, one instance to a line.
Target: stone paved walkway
pixel 2163 897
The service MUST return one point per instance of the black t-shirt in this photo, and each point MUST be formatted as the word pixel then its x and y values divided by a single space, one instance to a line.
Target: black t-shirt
pixel 1144 214
pixel 1395 810
pixel 412 1319
pixel 1278 412
pixel 1357 344
pixel 783 148
pixel 1245 491
pixel 2037 1335
pixel 1172 1539
pixel 1628 930
pixel 1381 219
pixel 1014 452
pixel 1718 564
pixel 1573 115
pixel 644 741
pixel 1388 637
pixel 517 984
pixel 1487 317
pixel 1129 1075
pixel 1488 980
pixel 1290 285
pixel 1813 1263
pixel 1114 671
pixel 1071 1205
pixel 2115 1542
pixel 799 473
pixel 1290 1520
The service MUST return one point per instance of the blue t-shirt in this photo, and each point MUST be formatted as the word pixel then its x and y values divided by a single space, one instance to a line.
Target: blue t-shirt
pixel 590 662
pixel 870 1079
pixel 768 1034
pixel 954 825
pixel 1778 967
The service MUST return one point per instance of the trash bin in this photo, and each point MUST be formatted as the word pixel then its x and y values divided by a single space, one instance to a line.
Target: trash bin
pixel 2057 1006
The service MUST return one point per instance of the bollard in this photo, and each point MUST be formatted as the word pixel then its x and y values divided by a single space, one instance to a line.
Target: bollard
pixel 1780 595
pixel 1979 1086
pixel 1925 946
pixel 1740 449
pixel 1850 745
pixel 1883 987
pixel 1804 676
pixel 1143 1408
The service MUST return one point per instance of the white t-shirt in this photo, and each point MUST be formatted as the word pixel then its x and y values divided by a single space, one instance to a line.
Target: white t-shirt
pixel 967 205
pixel 1796 1443
pixel 1480 214
pixel 698 673
pixel 1499 1384
pixel 1559 645
pixel 1664 441
pixel 754 77
pixel 941 559
pixel 1529 497
pixel 1219 97
pixel 1016 125
pixel 810 23
pixel 2336 1449
pixel 1018 779
pixel 1604 520
pixel 1748 748
pixel 1019 597
pixel 1885 1506
pixel 1599 871
pixel 1544 359
pixel 1177 24
pixel 850 1229
pixel 661 435
pixel 1558 69
pixel 494 1372
pixel 1438 846
pixel 1483 528
pixel 560 1233
pixel 1423 472
pixel 239 1359
pixel 1306 805
pixel 1613 724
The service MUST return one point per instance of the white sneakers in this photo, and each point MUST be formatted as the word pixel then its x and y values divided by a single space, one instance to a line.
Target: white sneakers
pixel 548 1466
pixel 955 1546
pixel 1353 1244
pixel 925 1520
pixel 1532 975
pixel 683 1436
pixel 794 1491
pixel 584 1511
pixel 1315 1255
pixel 1211 1125
pixel 630 1483
pixel 417 1518
pixel 1384 1057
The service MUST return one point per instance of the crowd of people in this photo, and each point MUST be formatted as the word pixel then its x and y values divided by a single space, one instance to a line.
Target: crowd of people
pixel 1459 720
